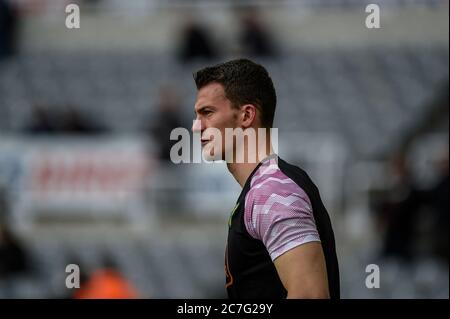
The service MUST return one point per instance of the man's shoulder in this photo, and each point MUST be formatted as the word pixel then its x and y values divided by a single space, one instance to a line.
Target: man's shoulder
pixel 298 175
pixel 291 170
pixel 271 181
pixel 279 170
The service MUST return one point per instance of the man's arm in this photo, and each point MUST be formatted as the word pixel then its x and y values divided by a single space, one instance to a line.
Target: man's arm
pixel 302 271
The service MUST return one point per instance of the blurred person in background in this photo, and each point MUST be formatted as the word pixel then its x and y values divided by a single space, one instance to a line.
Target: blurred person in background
pixel 57 120
pixel 9 23
pixel 74 122
pixel 196 43
pixel 254 38
pixel 13 258
pixel 280 239
pixel 43 120
pixel 165 118
pixel 106 282
pixel 437 198
pixel 3 201
pixel 398 208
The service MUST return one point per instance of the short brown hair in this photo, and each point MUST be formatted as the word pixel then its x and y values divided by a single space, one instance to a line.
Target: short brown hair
pixel 244 82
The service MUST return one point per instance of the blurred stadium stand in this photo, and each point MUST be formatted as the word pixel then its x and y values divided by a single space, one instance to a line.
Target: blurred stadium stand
pixel 386 90
pixel 344 110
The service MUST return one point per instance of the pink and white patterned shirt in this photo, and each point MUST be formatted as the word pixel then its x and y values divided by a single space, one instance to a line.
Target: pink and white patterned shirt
pixel 277 211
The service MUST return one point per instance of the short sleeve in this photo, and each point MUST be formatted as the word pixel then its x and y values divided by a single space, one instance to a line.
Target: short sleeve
pixel 279 213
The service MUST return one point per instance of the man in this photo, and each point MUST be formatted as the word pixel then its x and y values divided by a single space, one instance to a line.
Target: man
pixel 280 239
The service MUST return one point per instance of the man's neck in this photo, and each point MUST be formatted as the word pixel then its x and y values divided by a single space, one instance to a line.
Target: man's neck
pixel 242 171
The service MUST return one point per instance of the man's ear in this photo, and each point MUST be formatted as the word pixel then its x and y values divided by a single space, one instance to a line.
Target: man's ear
pixel 248 115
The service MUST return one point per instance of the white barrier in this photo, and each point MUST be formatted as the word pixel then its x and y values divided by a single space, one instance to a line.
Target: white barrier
pixel 75 178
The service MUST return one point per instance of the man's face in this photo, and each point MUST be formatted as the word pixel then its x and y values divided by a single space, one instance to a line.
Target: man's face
pixel 214 110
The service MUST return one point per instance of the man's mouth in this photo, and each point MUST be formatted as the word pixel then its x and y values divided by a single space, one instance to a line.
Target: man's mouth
pixel 204 142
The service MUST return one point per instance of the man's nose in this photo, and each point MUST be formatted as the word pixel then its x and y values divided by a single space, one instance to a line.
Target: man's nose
pixel 197 126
